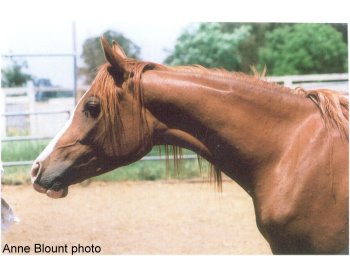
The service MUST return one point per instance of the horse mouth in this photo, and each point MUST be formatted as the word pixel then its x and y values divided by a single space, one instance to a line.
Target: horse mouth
pixel 55 189
pixel 53 192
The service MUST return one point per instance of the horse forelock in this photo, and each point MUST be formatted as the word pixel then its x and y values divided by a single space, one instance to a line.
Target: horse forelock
pixel 105 88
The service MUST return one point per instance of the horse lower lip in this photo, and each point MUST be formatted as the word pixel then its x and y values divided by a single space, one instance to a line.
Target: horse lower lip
pixel 39 188
pixel 57 193
pixel 53 193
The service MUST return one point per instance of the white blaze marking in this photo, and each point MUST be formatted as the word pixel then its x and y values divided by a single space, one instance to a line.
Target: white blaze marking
pixel 49 148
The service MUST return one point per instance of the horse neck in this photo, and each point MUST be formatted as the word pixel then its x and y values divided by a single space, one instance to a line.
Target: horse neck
pixel 233 124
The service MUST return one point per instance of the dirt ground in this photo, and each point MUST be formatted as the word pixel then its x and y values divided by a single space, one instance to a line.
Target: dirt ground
pixel 164 217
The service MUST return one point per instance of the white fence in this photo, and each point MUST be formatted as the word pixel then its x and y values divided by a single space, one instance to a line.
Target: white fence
pixel 337 82
pixel 21 114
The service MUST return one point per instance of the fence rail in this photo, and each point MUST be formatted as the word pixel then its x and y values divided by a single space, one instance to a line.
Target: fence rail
pixel 25 138
pixel 337 82
pixel 36 113
pixel 24 102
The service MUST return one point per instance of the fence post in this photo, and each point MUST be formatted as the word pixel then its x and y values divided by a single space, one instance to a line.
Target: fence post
pixel 31 99
pixel 2 113
pixel 288 82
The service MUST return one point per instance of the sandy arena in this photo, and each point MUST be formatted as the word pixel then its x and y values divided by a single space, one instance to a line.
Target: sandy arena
pixel 165 217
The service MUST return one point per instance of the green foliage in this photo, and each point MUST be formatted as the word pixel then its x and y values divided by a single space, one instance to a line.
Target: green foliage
pixel 285 48
pixel 343 29
pixel 93 55
pixel 210 46
pixel 14 75
pixel 304 49
pixel 249 48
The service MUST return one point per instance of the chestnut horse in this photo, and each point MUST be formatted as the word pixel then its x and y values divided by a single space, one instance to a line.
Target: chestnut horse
pixel 287 148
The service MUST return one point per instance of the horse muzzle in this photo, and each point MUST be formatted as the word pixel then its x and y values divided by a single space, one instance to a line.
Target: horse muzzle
pixel 52 189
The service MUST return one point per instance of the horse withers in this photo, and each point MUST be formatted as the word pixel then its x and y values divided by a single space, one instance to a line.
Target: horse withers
pixel 287 148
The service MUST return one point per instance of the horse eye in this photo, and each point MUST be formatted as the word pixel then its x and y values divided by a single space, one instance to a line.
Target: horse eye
pixel 92 108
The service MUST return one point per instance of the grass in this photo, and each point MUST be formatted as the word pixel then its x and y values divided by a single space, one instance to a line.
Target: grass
pixel 140 170
pixel 19 151
pixel 22 150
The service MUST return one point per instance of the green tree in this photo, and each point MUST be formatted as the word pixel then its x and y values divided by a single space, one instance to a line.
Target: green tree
pixel 93 55
pixel 249 48
pixel 304 49
pixel 343 29
pixel 14 76
pixel 210 46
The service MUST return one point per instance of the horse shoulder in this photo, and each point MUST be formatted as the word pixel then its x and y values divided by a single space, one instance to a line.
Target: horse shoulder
pixel 299 191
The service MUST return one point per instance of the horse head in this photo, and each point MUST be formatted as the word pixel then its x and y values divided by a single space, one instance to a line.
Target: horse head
pixel 108 129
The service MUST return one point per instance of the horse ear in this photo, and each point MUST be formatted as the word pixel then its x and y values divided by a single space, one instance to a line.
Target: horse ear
pixel 118 50
pixel 112 57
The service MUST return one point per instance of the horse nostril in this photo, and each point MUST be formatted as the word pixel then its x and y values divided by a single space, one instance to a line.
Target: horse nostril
pixel 35 171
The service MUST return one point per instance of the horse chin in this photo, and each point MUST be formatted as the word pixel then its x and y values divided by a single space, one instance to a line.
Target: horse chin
pixel 63 192
pixel 53 193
